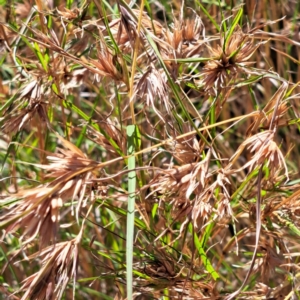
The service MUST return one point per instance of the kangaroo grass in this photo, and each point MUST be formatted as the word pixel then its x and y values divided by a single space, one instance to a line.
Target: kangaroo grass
pixel 149 150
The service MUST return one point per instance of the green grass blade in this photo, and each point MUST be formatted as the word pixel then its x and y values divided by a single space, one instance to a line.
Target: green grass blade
pixel 192 59
pixel 8 102
pixel 83 131
pixel 131 145
pixel 206 262
pixel 212 19
pixel 40 56
pixel 232 27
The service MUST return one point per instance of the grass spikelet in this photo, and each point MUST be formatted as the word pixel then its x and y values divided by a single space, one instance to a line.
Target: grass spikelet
pixel 59 264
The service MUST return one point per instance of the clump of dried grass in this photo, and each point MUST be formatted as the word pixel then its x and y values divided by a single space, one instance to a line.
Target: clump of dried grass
pixel 205 188
pixel 58 264
pixel 37 210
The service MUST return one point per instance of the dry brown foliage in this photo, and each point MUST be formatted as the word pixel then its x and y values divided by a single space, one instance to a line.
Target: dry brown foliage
pixel 212 93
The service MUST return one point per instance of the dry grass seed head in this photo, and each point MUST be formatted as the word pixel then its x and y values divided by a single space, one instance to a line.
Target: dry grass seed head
pixel 111 128
pixel 269 262
pixel 202 208
pixel 265 150
pixel 125 33
pixel 181 182
pixel 227 64
pixel 72 171
pixel 278 118
pixel 64 76
pixel 193 37
pixel 152 87
pixel 272 112
pixel 185 150
pixel 31 104
pixel 266 263
pixel 179 186
pixel 223 210
pixel 59 264
pixel 37 211
pixel 205 203
pixel 129 23
pixel 183 40
pixel 107 65
pixel 68 14
pixel 120 35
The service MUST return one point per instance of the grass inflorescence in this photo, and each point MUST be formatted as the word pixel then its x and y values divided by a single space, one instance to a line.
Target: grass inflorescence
pixel 149 150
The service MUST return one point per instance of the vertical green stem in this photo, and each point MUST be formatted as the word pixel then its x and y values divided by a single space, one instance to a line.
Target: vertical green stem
pixel 131 139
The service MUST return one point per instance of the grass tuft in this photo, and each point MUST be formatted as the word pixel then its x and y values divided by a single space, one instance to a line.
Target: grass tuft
pixel 149 150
